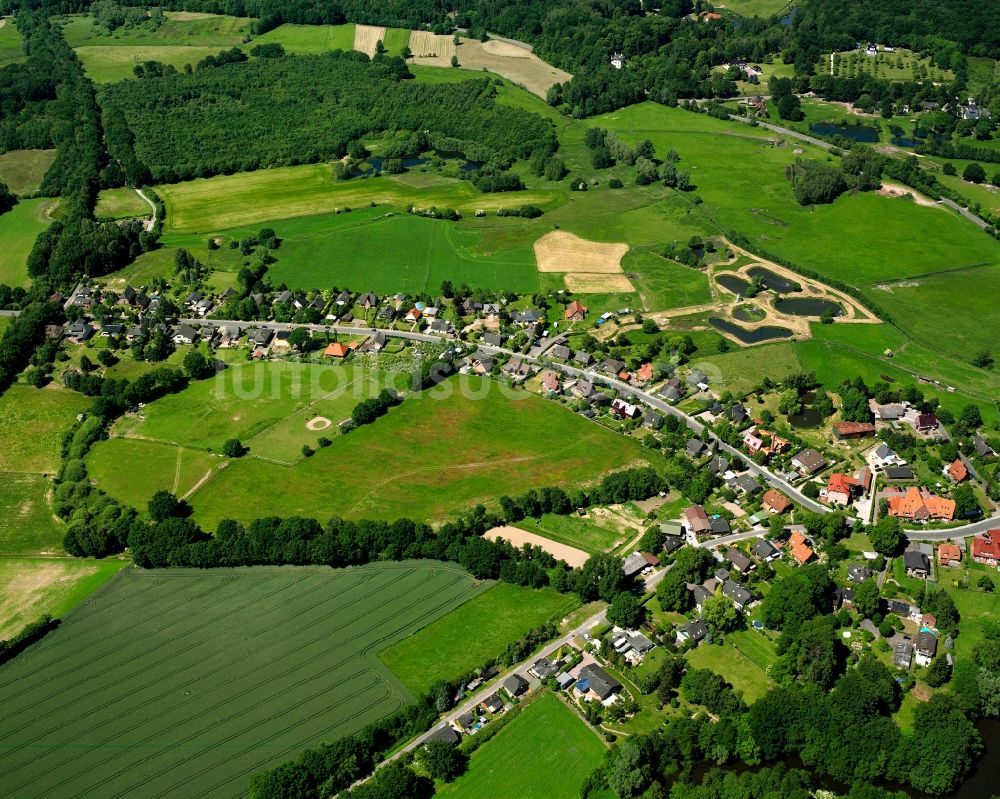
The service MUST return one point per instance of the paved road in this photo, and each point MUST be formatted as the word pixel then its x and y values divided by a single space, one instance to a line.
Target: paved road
pixel 150 224
pixel 964 212
pixel 787 132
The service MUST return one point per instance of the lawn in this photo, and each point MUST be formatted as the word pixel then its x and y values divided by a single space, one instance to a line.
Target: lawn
pixel 31 587
pixel 310 39
pixel 19 228
pixel 10 43
pixel 545 753
pixel 574 531
pixel 197 679
pixel 214 204
pixel 121 204
pixel 402 465
pixel 666 284
pixel 23 170
pixel 27 526
pixel 370 250
pixel 976 608
pixel 33 421
pixel 473 634
pixel 741 661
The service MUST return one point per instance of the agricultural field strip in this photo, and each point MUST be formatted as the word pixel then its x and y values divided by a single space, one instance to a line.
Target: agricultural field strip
pixel 323 636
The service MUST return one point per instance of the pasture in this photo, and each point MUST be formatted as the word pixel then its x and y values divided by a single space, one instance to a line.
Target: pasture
pixel 31 587
pixel 545 753
pixel 10 43
pixel 742 660
pixel 33 421
pixel 19 228
pixel 213 204
pixel 473 634
pixel 309 39
pixel 755 8
pixel 663 283
pixel 198 679
pixel 27 526
pixel 23 170
pixel 176 469
pixel 121 204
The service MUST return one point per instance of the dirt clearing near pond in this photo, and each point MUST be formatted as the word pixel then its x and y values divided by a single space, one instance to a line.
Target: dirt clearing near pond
pixel 366 37
pixel 516 536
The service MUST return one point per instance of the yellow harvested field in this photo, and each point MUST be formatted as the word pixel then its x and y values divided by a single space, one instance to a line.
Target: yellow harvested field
pixel 516 536
pixel 591 283
pixel 560 251
pixel 432 48
pixel 366 37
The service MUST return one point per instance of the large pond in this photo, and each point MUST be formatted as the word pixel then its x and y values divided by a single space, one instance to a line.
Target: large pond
pixel 737 285
pixel 774 282
pixel 807 306
pixel 861 133
pixel 766 333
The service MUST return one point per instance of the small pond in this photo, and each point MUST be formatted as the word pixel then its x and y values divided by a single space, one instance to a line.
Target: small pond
pixel 373 164
pixel 748 313
pixel 789 18
pixel 807 306
pixel 862 133
pixel 766 333
pixel 774 282
pixel 806 420
pixel 737 285
pixel 455 155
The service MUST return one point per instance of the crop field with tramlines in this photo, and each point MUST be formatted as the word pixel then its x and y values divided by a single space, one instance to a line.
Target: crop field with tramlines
pixel 185 682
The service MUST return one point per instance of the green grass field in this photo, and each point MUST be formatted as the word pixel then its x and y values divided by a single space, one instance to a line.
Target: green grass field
pixel 545 753
pixel 573 531
pixel 398 466
pixel 473 634
pixel 110 63
pixel 177 469
pixel 10 43
pixel 196 680
pixel 755 8
pixel 19 228
pixel 214 204
pixel 310 39
pixel 31 587
pixel 27 526
pixel 179 28
pixel 976 608
pixel 666 284
pixel 120 204
pixel 743 661
pixel 34 421
pixel 23 170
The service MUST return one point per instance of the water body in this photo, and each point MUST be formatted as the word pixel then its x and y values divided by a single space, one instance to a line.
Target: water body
pixel 860 133
pixel 807 306
pixel 737 285
pixel 789 18
pixel 455 155
pixel 766 333
pixel 900 139
pixel 774 282
pixel 375 163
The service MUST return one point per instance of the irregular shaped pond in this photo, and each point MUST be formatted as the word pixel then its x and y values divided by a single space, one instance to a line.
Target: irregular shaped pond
pixel 737 285
pixel 861 133
pixel 766 333
pixel 807 306
pixel 774 282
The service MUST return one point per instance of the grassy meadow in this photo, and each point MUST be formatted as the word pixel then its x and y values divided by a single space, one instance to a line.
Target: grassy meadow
pixel 27 526
pixel 472 634
pixel 743 660
pixel 197 679
pixel 37 419
pixel 545 753
pixel 10 43
pixel 23 170
pixel 19 228
pixel 310 39
pixel 572 530
pixel 120 204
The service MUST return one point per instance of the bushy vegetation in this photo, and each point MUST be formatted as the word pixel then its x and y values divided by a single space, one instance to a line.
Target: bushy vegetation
pixel 304 109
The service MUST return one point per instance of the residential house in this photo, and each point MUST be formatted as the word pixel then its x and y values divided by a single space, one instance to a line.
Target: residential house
pixel 600 683
pixel 919 505
pixel 583 358
pixel 367 301
pixel 493 339
pixel 695 448
pixel 798 547
pixel 374 344
pixel 698 378
pixel 184 334
pixel 956 471
pixel 644 374
pixel 700 594
pixel 441 326
pixel 766 551
pixel 482 362
pixel 109 329
pixel 560 351
pixel 640 643
pixel 740 562
pixel 737 414
pixel 79 331
pixel 950 555
pixel 515 685
pixel 583 389
pixel 808 462
pixel 386 314
pixel 413 315
pixel 982 446
pixel 889 412
pixel 746 484
pixel 896 474
pixel 926 646
pixel 671 543
pixel 652 420
pixel 612 366
pixel 336 350
pixel 445 734
pixel 841 489
pixel 634 564
pixel 986 548
pixel 882 457
pixel 845 431
pixel 564 680
pixel 902 654
pixel 776 502
pixel 857 573
pixel 720 525
pixel 718 465
pixel 696 520
pixel 926 422
pixel 576 311
pixel 757 440
pixel 742 598
pixel 490 309
pixel 543 668
pixel 672 390
pixel 917 564
pixel 625 410
pixel 282 298
pixel 466 720
pixel 693 631
pixel 529 317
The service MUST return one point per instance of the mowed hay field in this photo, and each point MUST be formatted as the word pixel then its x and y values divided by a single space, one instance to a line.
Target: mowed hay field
pixel 588 267
pixel 545 753
pixel 195 680
pixel 23 170
pixel 121 204
pixel 479 630
pixel 210 205
pixel 33 421
pixel 19 228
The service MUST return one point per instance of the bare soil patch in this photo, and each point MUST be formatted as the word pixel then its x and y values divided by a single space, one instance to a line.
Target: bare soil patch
pixel 899 190
pixel 318 423
pixel 516 536
pixel 560 251
pixel 366 37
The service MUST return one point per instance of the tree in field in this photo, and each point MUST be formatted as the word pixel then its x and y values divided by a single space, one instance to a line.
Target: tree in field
pixel 454 60
pixel 197 366
pixel 233 448
pixel 974 173
pixel 164 505
pixel 984 360
pixel 626 611
pixel 444 761
pixel 985 583
pixel 939 673
pixel 379 47
pixel 7 198
pixel 887 536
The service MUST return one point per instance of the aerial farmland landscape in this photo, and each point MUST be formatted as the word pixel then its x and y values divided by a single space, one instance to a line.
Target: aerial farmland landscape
pixel 548 400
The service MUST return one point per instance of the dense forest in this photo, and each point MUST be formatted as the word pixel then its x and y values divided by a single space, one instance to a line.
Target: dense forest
pixel 304 109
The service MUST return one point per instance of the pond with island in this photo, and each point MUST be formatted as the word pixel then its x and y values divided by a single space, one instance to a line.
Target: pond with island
pixel 374 164
pixel 748 313
pixel 774 281
pixel 756 336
